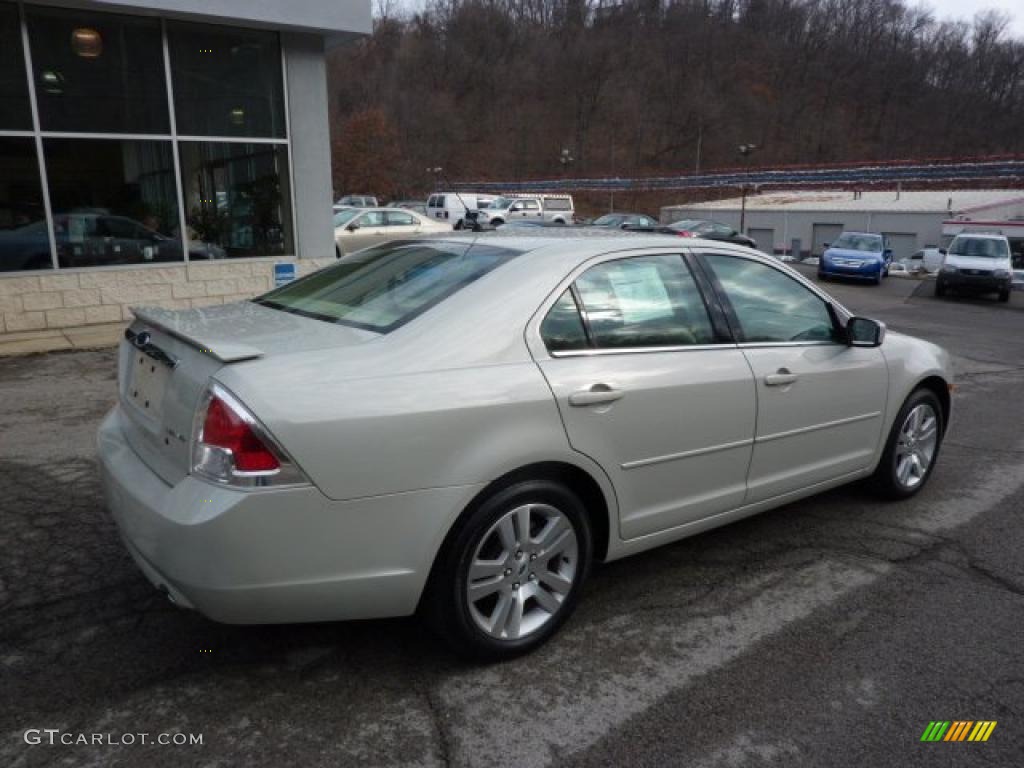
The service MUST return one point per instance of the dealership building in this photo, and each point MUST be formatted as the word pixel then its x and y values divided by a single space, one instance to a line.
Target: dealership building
pixel 160 152
pixel 910 220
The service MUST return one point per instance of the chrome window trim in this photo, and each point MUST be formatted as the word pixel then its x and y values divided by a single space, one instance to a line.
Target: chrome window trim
pixel 640 350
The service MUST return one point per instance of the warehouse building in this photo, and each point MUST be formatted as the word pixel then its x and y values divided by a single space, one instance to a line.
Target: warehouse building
pixel 161 152
pixel 782 221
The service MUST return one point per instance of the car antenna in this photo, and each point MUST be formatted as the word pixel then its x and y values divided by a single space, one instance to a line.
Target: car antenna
pixel 439 172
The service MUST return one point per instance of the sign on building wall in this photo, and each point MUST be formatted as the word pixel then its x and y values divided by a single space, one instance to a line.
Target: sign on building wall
pixel 284 273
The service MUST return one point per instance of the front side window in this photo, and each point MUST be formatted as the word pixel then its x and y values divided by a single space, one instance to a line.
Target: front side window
pixel 371 219
pixel 769 305
pixel 237 196
pixel 227 81
pixel 381 288
pixel 648 301
pixel 396 219
pixel 97 72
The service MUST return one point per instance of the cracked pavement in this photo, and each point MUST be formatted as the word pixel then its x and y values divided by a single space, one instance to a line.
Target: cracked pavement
pixel 825 633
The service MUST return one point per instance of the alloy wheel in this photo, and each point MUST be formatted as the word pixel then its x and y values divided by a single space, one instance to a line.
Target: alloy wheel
pixel 916 445
pixel 522 571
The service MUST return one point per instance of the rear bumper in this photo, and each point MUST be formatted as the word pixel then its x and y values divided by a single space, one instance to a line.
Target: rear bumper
pixel 290 555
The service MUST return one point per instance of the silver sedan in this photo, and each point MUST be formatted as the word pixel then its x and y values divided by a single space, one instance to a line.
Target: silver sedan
pixel 463 426
pixel 356 228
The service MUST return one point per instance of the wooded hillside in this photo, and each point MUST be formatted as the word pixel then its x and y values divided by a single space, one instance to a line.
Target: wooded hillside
pixel 497 89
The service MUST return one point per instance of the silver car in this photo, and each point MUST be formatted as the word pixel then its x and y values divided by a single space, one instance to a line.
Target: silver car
pixel 463 426
pixel 356 228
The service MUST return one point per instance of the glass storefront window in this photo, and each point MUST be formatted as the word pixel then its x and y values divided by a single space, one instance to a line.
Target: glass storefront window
pixel 98 72
pixel 24 242
pixel 114 201
pixel 237 197
pixel 227 81
pixel 15 112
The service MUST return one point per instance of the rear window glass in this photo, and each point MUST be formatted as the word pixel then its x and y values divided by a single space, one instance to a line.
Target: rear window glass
pixel 557 204
pixel 382 288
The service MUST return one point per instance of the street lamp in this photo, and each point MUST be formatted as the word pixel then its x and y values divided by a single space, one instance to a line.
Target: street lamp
pixel 745 151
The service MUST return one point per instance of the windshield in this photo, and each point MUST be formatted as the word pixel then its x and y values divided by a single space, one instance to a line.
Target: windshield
pixel 609 220
pixel 379 289
pixel 341 218
pixel 982 247
pixel 499 203
pixel 854 242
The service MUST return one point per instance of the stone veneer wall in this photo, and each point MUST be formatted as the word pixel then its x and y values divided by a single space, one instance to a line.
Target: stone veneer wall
pixel 72 299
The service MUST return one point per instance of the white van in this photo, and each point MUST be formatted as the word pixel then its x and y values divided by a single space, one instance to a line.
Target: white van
pixel 976 263
pixel 451 207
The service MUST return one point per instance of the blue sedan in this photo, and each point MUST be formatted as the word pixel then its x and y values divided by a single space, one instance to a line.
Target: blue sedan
pixel 860 255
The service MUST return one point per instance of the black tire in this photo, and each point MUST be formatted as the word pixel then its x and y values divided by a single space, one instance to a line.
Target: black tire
pixel 885 480
pixel 940 288
pixel 1004 296
pixel 446 604
pixel 497 222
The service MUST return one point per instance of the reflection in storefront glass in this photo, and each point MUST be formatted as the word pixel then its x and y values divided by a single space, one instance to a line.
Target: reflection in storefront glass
pixel 98 72
pixel 237 197
pixel 24 242
pixel 114 201
pixel 14 106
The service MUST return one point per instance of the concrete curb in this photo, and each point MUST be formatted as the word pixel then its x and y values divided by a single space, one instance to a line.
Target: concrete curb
pixel 38 342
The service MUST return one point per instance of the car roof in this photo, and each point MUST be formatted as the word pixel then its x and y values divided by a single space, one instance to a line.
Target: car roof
pixel 983 235
pixel 572 246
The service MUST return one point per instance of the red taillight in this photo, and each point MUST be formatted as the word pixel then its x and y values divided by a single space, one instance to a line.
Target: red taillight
pixel 223 428
pixel 685 233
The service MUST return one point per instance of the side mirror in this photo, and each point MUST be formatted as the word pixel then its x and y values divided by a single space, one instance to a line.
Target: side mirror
pixel 864 332
pixel 825 245
pixel 352 227
pixel 942 251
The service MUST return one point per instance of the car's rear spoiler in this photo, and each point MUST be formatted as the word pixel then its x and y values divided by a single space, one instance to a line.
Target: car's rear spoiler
pixel 175 324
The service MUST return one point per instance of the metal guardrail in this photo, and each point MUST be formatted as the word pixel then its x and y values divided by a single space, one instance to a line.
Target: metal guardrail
pixel 1005 170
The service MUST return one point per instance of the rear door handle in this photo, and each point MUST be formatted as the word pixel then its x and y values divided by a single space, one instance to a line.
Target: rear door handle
pixel 596 395
pixel 780 378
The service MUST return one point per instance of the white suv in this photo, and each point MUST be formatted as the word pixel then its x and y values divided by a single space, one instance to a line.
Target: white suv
pixel 977 263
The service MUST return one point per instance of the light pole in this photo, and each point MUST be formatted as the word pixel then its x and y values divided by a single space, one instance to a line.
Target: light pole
pixel 745 151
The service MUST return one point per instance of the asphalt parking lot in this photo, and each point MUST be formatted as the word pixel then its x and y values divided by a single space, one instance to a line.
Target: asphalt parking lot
pixel 826 633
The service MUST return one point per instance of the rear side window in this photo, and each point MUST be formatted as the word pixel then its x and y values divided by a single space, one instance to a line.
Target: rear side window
pixel 562 329
pixel 380 289
pixel 557 204
pixel 646 301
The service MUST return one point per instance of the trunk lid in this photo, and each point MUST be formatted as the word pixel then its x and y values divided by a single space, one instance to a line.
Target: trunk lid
pixel 167 358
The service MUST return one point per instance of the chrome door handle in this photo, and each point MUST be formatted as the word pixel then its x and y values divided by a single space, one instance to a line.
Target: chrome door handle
pixel 781 378
pixel 596 395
